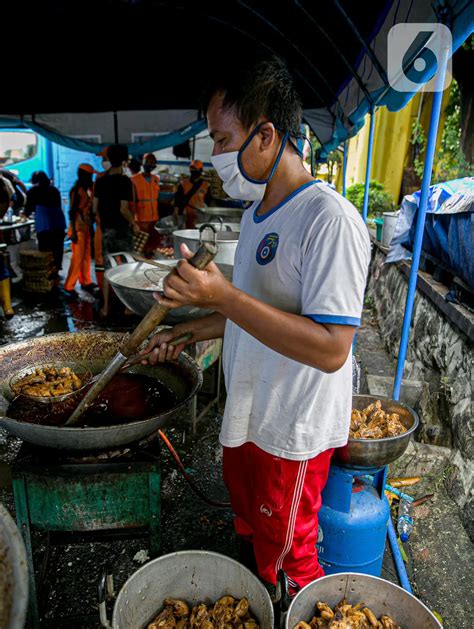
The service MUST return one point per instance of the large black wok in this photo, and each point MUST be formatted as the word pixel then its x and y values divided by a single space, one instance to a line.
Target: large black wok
pixel 95 349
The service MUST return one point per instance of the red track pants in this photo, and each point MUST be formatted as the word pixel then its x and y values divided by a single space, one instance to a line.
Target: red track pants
pixel 276 503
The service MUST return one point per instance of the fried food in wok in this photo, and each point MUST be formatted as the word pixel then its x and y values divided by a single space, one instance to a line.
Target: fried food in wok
pixel 227 613
pixel 374 423
pixel 346 616
pixel 48 382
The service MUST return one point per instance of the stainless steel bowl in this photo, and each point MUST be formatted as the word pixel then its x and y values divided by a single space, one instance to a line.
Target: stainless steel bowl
pixel 382 597
pixel 370 453
pixel 135 290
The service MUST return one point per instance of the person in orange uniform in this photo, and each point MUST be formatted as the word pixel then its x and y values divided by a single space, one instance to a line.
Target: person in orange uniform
pixel 193 195
pixel 98 256
pixel 79 232
pixel 146 188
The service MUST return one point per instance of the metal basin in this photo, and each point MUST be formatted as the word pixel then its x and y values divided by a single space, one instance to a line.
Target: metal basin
pixel 370 453
pixel 224 226
pixel 226 241
pixel 133 287
pixel 382 597
pixel 13 574
pixel 228 213
pixel 194 576
pixel 95 349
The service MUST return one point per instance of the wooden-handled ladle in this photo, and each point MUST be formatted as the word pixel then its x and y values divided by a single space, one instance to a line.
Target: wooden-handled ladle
pixel 205 254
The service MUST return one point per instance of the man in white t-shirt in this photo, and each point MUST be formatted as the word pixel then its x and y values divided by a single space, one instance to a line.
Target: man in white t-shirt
pixel 288 320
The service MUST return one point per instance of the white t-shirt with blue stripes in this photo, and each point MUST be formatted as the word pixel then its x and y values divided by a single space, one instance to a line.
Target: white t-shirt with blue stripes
pixel 307 256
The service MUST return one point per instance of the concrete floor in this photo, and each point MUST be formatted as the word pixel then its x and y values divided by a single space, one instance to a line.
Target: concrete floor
pixel 440 556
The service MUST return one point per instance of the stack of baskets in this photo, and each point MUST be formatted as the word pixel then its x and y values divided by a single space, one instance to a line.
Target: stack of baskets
pixel 38 271
pixel 216 185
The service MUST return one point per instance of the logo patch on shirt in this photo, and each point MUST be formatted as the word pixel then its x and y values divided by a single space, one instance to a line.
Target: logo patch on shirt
pixel 267 248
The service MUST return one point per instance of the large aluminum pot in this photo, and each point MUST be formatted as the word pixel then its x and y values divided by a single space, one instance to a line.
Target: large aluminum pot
pixel 194 576
pixel 13 574
pixel 382 597
pixel 95 349
pixel 228 213
pixel 226 241
pixel 370 453
pixel 135 282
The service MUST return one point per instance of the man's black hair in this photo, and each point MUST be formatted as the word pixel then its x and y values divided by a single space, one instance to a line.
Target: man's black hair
pixel 264 90
pixel 117 154
pixel 135 165
pixel 40 178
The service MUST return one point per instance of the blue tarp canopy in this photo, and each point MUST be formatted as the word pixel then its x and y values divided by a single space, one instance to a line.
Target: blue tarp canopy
pixel 89 72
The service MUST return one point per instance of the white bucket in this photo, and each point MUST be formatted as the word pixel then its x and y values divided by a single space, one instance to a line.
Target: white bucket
pixel 389 223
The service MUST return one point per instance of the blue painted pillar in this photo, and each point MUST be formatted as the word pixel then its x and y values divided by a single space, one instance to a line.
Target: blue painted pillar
pixel 420 220
pixel 370 150
pixel 344 167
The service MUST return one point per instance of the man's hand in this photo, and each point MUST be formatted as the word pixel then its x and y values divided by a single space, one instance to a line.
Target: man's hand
pixel 188 286
pixel 158 350
pixel 135 228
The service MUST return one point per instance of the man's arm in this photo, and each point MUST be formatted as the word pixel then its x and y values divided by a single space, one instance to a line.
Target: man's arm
pixel 323 346
pixel 128 215
pixel 178 200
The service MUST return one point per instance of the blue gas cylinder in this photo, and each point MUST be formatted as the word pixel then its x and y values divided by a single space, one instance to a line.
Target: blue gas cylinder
pixel 353 521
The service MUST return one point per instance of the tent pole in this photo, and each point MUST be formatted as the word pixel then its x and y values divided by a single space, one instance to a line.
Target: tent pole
pixel 344 168
pixel 370 150
pixel 421 217
pixel 116 134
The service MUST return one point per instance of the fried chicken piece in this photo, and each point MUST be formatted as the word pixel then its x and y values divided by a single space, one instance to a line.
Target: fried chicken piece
pixel 395 426
pixel 376 406
pixel 369 614
pixel 241 609
pixel 357 419
pixel 302 625
pixel 180 608
pixel 369 433
pixel 325 611
pixel 182 624
pixel 199 614
pixel 164 620
pixel 388 623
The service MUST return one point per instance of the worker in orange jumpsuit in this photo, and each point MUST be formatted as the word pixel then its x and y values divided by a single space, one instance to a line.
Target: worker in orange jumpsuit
pixel 146 188
pixel 79 232
pixel 98 256
pixel 193 195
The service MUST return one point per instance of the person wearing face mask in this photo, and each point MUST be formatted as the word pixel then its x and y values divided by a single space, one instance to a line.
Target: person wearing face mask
pixel 113 193
pixel 288 320
pixel 98 256
pixel 79 232
pixel 146 188
pixel 193 195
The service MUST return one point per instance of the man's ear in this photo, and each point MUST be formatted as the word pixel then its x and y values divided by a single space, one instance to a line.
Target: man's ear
pixel 268 136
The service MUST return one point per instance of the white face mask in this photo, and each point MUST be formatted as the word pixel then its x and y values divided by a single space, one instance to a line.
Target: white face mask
pixel 106 164
pixel 234 183
pixel 230 169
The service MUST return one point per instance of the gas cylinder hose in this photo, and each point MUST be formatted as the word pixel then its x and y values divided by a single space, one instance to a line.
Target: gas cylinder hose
pixel 192 484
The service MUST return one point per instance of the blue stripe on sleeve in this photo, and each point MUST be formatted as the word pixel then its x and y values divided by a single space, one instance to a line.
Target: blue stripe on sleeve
pixel 336 319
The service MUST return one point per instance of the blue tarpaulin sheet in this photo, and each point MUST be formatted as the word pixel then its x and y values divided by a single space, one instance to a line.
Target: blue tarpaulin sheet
pixel 449 227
